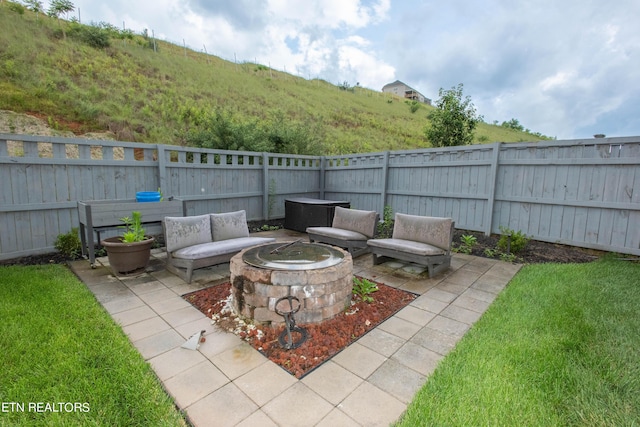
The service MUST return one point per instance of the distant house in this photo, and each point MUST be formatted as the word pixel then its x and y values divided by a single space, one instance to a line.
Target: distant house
pixel 405 91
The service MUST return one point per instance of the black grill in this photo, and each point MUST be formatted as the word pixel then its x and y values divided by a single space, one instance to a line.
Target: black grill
pixel 303 212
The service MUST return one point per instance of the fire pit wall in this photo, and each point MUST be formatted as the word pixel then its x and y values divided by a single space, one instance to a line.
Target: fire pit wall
pixel 323 292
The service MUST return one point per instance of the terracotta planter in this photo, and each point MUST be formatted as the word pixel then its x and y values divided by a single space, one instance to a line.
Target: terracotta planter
pixel 126 258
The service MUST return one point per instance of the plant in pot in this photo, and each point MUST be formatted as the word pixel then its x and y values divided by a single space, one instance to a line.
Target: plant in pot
pixel 130 252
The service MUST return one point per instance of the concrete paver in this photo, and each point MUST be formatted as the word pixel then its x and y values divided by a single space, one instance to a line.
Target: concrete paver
pixel 127 302
pixel 134 315
pixel 398 380
pixel 418 358
pixel 415 315
pixel 449 326
pixel 265 382
pixel 298 406
pixel 228 383
pixel 332 381
pixel 370 406
pixel 227 406
pixel 191 385
pixel 399 327
pixel 146 328
pixel 159 343
pixel 435 340
pixel 173 362
pixel 238 360
pixel 359 359
pixel 381 341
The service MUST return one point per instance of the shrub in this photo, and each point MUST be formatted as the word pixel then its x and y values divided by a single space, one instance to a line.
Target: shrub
pixel 16 7
pixel 93 36
pixel 385 228
pixel 413 106
pixel 468 241
pixel 363 288
pixel 69 244
pixel 512 241
pixel 223 130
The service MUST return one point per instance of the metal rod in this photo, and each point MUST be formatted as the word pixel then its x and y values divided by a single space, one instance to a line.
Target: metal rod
pixel 286 245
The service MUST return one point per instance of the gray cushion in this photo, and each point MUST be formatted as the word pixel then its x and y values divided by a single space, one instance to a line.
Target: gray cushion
pixel 434 231
pixel 363 222
pixel 409 246
pixel 186 231
pixel 336 233
pixel 229 225
pixel 223 247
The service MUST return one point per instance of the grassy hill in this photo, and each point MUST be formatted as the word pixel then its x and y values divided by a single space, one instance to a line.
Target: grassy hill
pixel 51 68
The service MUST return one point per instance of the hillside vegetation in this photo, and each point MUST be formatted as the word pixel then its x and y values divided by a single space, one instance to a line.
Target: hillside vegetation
pixel 145 90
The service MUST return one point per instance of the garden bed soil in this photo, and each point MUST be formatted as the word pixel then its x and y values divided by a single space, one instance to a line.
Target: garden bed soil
pixel 535 252
pixel 324 340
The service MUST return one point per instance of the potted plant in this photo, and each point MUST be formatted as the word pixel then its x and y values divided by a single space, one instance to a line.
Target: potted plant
pixel 130 252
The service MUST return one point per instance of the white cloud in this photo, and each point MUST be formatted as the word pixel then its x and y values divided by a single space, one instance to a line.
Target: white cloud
pixel 329 14
pixel 558 80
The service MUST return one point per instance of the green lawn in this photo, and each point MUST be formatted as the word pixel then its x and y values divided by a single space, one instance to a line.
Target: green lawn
pixel 65 362
pixel 559 347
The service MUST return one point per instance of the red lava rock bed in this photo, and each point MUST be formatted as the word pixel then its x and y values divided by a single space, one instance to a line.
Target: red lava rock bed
pixel 324 340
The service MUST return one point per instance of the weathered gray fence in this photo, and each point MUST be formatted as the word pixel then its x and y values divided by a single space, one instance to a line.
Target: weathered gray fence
pixel 580 192
pixel 584 193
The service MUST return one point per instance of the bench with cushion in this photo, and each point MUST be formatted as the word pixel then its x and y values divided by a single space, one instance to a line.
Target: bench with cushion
pixel 199 241
pixel 350 229
pixel 423 240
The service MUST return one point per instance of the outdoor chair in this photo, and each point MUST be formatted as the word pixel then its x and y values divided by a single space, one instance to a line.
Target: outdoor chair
pixel 423 240
pixel 350 230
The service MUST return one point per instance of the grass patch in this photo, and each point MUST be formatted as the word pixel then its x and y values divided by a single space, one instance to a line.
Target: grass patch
pixel 559 347
pixel 143 95
pixel 59 346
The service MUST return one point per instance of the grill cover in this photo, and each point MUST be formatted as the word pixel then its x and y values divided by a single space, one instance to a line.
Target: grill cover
pixel 303 212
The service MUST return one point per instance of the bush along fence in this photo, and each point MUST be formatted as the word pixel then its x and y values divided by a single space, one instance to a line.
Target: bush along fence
pixel 578 192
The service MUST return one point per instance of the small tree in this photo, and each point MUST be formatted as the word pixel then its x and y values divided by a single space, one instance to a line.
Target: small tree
pixel 513 124
pixel 34 5
pixel 454 120
pixel 59 7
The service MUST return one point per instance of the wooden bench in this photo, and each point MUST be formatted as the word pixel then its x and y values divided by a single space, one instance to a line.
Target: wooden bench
pixel 96 216
pixel 423 240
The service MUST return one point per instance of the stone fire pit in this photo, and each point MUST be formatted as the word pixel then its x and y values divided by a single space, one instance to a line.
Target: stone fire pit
pixel 320 276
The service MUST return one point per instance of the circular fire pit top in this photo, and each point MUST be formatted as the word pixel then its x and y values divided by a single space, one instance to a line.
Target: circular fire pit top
pixel 293 256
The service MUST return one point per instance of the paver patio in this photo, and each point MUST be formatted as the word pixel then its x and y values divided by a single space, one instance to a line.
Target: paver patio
pixel 228 383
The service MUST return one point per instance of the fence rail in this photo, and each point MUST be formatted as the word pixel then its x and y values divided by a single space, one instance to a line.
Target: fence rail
pixel 580 192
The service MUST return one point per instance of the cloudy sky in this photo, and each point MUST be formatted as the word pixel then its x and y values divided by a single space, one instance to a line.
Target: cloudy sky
pixel 568 69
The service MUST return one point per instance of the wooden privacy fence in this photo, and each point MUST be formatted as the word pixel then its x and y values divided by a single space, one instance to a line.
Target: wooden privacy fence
pixel 581 192
pixel 584 192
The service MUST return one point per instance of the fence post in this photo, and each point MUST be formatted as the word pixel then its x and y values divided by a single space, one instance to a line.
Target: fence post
pixel 488 212
pixel 162 169
pixel 323 162
pixel 385 180
pixel 265 186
